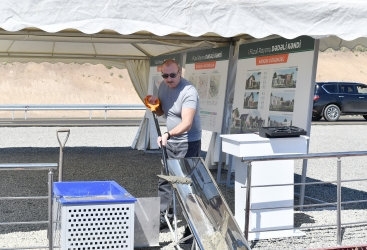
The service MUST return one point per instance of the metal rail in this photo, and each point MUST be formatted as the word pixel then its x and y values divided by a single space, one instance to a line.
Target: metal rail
pixel 34 166
pixel 338 182
pixel 90 107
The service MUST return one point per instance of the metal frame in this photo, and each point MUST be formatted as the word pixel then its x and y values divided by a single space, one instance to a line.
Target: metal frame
pixel 90 107
pixel 34 166
pixel 338 203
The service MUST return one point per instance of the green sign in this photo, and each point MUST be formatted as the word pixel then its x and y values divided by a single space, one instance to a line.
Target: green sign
pixel 158 60
pixel 276 46
pixel 217 54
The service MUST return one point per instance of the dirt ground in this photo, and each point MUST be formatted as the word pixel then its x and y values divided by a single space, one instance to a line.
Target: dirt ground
pixel 59 83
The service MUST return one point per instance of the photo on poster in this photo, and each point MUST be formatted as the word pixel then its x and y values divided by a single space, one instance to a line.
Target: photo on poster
pixel 247 122
pixel 284 78
pixel 280 120
pixel 156 82
pixel 253 80
pixel 193 79
pixel 282 101
pixel 251 100
pixel 214 86
pixel 202 85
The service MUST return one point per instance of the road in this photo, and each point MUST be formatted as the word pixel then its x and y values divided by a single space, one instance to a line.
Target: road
pixel 131 121
pixel 343 120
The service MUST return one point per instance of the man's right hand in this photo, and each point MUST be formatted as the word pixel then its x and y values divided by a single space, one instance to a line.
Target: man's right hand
pixel 153 99
pixel 162 140
pixel 153 103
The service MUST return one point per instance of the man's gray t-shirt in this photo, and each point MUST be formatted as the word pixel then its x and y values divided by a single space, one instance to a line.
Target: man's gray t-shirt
pixel 184 95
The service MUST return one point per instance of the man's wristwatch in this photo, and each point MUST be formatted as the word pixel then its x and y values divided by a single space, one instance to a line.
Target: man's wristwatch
pixel 169 136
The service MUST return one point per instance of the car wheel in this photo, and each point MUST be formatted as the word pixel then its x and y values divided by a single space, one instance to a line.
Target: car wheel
pixel 316 118
pixel 332 113
pixel 365 117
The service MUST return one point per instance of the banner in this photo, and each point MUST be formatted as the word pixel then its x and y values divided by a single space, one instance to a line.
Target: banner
pixel 273 84
pixel 207 70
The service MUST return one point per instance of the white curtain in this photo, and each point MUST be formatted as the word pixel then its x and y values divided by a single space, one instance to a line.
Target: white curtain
pixel 139 73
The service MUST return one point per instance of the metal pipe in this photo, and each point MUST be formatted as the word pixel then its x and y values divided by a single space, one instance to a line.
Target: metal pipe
pixel 229 170
pixel 146 133
pixel 219 170
pixel 296 184
pixel 50 220
pixel 24 248
pixel 309 118
pixel 323 204
pixel 24 198
pixel 28 166
pixel 338 206
pixel 248 199
pixel 294 206
pixel 26 107
pixel 23 223
pixel 303 156
pixel 174 216
pixel 303 180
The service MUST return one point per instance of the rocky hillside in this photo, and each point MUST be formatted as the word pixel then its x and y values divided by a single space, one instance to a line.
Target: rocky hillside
pixel 46 83
pixel 342 65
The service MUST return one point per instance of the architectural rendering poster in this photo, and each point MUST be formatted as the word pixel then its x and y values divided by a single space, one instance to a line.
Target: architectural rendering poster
pixel 272 84
pixel 207 70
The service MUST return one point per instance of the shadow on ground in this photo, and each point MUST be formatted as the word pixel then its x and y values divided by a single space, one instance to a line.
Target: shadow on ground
pixel 328 193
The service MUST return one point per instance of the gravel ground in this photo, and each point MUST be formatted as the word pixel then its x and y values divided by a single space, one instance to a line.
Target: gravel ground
pixel 104 153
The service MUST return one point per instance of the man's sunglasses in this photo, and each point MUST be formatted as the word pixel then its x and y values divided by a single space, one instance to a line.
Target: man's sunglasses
pixel 172 75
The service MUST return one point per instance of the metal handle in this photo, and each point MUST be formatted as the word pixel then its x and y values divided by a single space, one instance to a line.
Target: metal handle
pixel 164 150
pixel 67 136
pixel 62 145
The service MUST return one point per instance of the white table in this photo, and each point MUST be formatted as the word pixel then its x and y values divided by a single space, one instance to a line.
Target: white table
pixel 277 222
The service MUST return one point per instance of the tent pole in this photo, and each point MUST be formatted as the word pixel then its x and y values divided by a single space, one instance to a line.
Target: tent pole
pixel 309 119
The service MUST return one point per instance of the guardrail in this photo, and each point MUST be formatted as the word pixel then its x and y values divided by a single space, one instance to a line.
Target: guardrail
pixel 338 203
pixel 90 107
pixel 34 166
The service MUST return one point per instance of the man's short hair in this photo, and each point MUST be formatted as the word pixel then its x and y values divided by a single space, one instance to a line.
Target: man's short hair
pixel 169 62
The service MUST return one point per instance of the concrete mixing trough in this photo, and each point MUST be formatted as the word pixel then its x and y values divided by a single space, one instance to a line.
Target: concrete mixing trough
pixel 206 211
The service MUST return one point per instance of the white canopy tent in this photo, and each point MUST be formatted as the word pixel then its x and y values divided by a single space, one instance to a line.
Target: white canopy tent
pixel 125 34
pixel 116 31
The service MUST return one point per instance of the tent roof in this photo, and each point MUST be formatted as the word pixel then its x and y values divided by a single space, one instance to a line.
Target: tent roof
pixel 113 31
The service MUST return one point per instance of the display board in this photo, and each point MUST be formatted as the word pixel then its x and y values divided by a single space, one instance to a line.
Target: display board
pixel 273 84
pixel 208 70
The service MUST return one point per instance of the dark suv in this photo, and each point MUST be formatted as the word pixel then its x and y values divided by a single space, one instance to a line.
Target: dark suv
pixel 332 99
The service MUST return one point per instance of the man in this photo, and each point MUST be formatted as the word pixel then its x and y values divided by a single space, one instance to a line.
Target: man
pixel 180 104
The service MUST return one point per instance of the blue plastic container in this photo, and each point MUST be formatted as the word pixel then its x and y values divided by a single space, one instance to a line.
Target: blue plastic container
pixel 82 192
